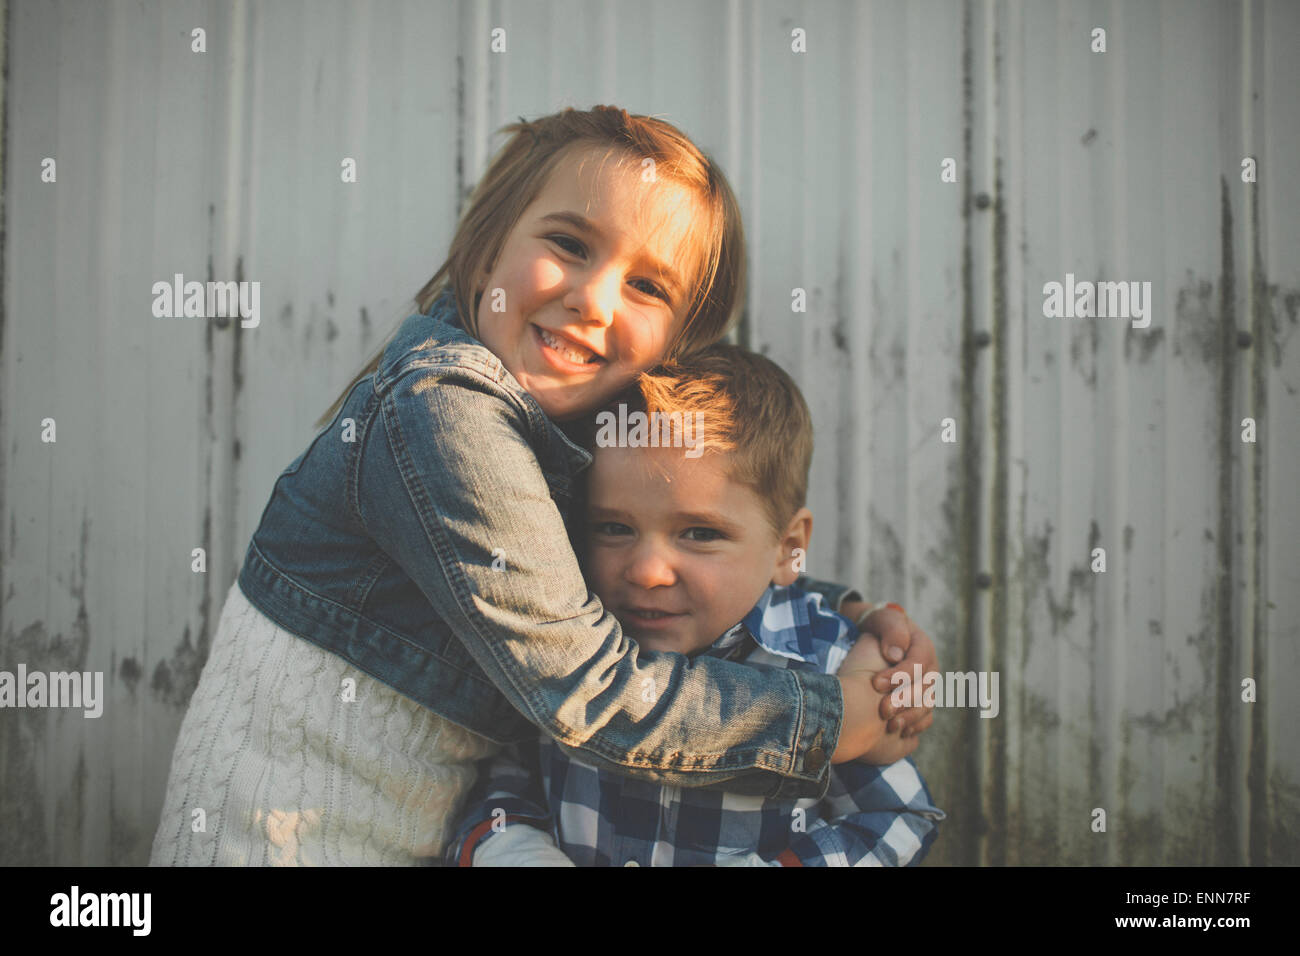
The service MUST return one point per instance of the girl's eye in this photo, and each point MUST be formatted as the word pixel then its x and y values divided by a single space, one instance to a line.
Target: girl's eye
pixel 653 290
pixel 703 534
pixel 610 528
pixel 573 246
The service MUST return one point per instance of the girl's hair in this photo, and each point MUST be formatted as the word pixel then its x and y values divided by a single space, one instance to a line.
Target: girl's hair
pixel 521 169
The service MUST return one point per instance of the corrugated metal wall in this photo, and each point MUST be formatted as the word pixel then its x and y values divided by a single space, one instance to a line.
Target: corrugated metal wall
pixel 1119 690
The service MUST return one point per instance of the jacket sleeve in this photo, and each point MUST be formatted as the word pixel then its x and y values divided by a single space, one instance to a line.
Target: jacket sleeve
pixel 448 485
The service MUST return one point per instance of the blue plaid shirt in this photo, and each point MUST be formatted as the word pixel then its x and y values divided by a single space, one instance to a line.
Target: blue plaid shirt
pixel 870 816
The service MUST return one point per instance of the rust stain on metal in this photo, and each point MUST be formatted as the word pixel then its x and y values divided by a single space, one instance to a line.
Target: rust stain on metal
pixel 237 366
pixel 1080 580
pixel 1000 520
pixel 1227 712
pixel 175 678
pixel 24 827
pixel 23 840
pixel 1260 819
pixel 886 572
pixel 70 815
pixel 956 559
pixel 129 672
pixel 1197 331
pixel 1090 333
pixel 1178 719
pixel 1146 340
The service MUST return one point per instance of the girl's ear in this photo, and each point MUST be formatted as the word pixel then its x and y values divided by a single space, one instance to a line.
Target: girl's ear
pixel 793 556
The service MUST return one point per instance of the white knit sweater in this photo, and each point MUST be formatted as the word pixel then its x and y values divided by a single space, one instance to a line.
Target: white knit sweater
pixel 287 772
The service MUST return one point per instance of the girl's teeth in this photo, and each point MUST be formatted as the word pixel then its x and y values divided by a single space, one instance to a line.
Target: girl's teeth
pixel 570 354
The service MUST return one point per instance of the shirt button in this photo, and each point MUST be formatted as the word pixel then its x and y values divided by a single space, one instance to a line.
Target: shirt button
pixel 631 863
pixel 814 760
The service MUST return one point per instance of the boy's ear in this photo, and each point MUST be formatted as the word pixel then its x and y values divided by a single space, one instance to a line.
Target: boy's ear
pixel 794 549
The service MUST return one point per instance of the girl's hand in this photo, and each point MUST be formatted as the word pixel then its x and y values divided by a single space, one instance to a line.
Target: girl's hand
pixel 899 638
pixel 858 670
pixel 863 727
pixel 891 748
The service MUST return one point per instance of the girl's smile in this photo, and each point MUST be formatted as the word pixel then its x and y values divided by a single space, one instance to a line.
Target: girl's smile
pixel 566 354
pixel 590 285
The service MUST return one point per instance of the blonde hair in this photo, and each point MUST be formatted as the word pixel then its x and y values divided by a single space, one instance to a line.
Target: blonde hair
pixel 520 170
pixel 750 409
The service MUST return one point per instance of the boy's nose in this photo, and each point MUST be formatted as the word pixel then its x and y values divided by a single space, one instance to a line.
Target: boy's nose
pixel 650 569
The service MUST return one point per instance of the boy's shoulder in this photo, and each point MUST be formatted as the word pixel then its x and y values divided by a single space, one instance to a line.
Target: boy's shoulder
pixel 794 628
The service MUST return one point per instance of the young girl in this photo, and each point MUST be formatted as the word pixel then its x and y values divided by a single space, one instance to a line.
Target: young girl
pixel 410 599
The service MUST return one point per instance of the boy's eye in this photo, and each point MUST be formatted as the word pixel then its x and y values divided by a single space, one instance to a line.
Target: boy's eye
pixel 703 534
pixel 610 528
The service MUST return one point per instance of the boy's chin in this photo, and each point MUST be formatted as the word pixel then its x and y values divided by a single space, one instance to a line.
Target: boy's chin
pixel 666 642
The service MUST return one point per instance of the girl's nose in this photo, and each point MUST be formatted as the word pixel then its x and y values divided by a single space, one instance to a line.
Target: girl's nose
pixel 594 295
pixel 650 567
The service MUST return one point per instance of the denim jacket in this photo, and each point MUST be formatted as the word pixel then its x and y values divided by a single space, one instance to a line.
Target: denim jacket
pixel 422 537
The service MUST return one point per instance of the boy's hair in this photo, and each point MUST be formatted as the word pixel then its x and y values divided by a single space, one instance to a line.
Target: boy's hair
pixel 521 169
pixel 749 408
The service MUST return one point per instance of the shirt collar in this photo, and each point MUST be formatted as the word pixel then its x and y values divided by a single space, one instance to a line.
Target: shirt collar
pixel 790 622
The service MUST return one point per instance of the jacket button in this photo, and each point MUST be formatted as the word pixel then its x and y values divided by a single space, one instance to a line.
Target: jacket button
pixel 631 863
pixel 814 760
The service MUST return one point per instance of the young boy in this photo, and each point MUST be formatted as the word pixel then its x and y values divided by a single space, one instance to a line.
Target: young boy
pixel 702 535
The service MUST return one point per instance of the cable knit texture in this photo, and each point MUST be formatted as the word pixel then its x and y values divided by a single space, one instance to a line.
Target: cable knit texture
pixel 288 772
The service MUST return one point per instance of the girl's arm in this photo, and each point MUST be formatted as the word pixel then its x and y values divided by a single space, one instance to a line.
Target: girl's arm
pixel 901 641
pixel 448 484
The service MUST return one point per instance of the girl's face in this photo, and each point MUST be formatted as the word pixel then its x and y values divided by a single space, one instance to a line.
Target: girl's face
pixel 590 285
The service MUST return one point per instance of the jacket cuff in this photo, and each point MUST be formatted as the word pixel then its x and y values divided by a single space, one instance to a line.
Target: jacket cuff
pixel 817 736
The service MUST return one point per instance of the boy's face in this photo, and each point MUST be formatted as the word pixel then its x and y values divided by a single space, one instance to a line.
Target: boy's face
pixel 676 550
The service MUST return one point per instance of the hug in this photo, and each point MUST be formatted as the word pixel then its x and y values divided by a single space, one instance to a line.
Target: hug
pixel 563 652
